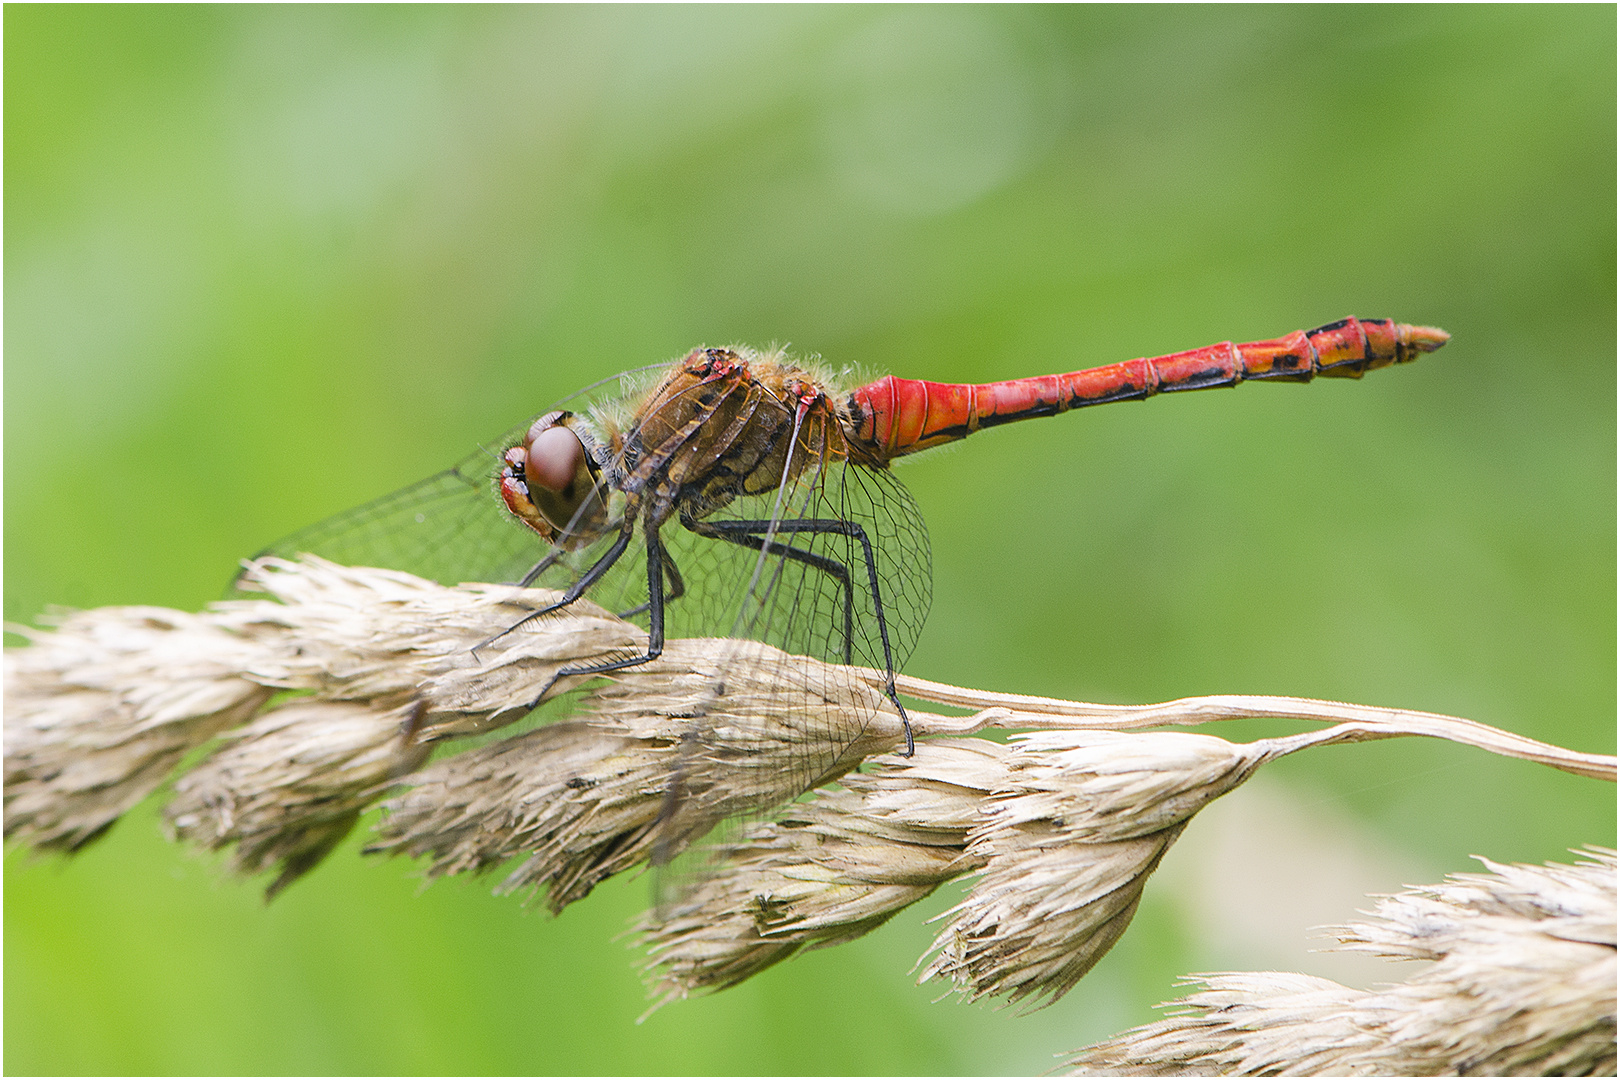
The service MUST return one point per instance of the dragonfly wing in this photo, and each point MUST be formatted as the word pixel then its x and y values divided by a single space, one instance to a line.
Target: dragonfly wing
pixel 833 567
pixel 776 727
pixel 453 526
pixel 847 578
pixel 450 527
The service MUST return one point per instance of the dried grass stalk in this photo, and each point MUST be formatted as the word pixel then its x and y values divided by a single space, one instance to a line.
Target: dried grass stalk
pixel 377 667
pixel 1352 723
pixel 1523 985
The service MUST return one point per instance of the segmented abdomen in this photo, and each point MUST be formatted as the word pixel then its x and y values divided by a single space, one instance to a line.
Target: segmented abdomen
pixel 901 416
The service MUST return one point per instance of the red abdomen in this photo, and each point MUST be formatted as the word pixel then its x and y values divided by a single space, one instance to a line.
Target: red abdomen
pixel 901 416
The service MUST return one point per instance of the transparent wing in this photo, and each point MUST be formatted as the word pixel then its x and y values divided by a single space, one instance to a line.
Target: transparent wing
pixel 854 544
pixel 835 568
pixel 451 527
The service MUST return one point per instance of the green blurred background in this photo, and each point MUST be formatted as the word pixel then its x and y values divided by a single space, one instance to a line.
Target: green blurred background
pixel 265 263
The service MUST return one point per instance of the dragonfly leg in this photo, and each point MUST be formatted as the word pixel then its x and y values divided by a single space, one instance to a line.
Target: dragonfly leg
pixel 576 590
pixel 655 623
pixel 748 537
pixel 540 567
pixel 677 587
pixel 748 533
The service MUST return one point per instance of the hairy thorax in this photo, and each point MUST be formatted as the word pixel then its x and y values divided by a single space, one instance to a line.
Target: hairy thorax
pixel 723 425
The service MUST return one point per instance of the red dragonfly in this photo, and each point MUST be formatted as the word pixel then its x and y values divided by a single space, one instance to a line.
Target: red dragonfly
pixel 740 494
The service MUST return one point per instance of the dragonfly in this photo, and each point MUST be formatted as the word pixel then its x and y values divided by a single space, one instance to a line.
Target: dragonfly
pixel 738 493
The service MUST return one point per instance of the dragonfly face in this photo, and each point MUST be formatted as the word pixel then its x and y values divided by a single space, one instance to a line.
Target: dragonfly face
pixel 553 481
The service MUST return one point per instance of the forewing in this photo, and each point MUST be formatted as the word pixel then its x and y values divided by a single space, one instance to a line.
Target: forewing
pixel 451 527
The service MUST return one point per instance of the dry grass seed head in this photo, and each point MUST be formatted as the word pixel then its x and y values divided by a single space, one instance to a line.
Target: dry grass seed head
pixel 587 799
pixel 1067 845
pixel 290 785
pixel 101 708
pixel 1523 984
pixel 361 634
pixel 833 868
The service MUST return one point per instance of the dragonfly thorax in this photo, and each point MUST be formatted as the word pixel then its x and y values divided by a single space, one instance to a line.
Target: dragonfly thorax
pixel 724 425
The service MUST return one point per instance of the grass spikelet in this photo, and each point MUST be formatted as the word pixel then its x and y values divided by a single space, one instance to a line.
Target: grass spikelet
pixel 1523 984
pixel 830 870
pixel 102 707
pixel 1067 844
pixel 288 787
pixel 587 799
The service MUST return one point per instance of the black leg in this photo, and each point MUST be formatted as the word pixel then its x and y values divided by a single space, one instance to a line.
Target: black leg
pixel 677 587
pixel 577 589
pixel 745 537
pixel 540 567
pixel 655 623
pixel 824 526
pixel 551 560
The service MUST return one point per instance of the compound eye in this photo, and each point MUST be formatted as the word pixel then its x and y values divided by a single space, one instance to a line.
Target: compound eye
pixel 554 458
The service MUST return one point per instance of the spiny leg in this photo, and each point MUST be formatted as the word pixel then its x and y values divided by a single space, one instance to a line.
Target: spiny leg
pixel 677 587
pixel 655 623
pixel 556 553
pixel 577 589
pixel 540 567
pixel 745 537
pixel 831 527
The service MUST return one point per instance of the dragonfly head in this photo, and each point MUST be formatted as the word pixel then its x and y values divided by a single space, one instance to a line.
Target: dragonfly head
pixel 552 481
